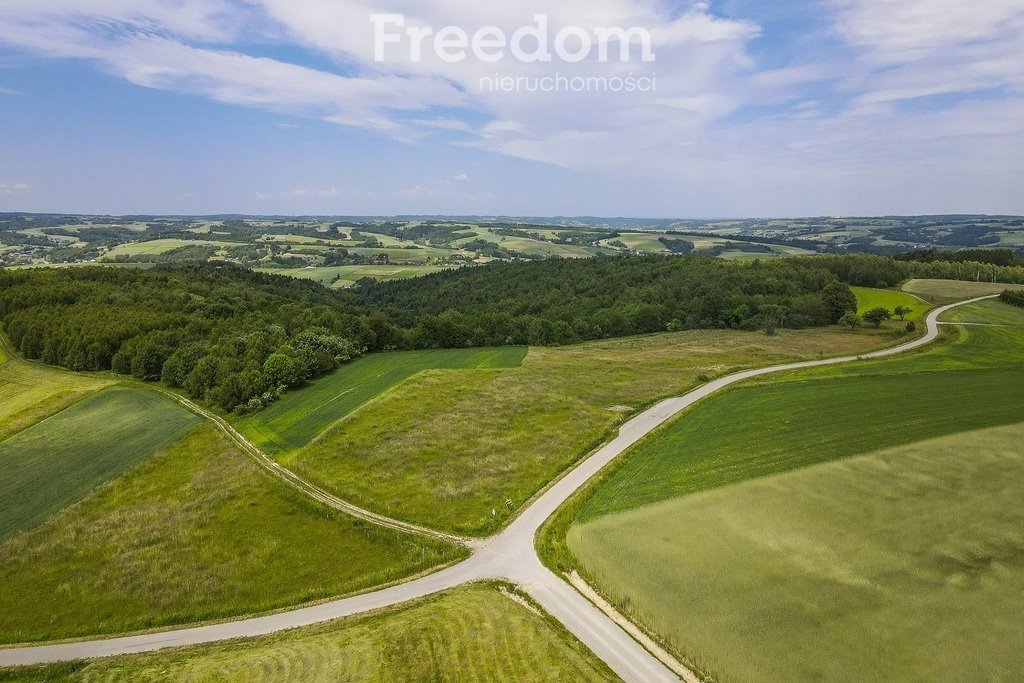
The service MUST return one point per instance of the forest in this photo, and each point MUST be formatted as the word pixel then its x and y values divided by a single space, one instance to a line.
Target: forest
pixel 238 339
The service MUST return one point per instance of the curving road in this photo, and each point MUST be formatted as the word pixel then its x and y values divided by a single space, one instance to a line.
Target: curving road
pixel 510 556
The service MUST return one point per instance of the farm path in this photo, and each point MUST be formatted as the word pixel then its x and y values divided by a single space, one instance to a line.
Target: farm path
pixel 510 556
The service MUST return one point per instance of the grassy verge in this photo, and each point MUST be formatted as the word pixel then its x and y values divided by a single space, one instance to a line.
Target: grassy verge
pixel 469 634
pixel 903 565
pixel 196 533
pixel 448 449
pixel 61 460
pixel 300 416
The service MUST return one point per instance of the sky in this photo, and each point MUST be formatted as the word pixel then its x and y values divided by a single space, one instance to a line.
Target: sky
pixel 295 107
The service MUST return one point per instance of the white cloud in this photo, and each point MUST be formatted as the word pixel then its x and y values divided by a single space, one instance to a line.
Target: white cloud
pixel 16 188
pixel 920 48
pixel 818 123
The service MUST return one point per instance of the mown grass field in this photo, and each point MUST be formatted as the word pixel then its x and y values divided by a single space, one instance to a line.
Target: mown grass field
pixel 805 574
pixel 300 416
pixel 198 532
pixel 773 428
pixel 469 634
pixel 462 451
pixel 60 460
pixel 904 565
pixel 868 299
pixel 30 393
pixel 950 291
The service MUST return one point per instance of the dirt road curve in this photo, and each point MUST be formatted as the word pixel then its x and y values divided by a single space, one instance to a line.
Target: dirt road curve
pixel 510 556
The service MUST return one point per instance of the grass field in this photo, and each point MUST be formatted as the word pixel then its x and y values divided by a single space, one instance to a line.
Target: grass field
pixel 868 299
pixel 467 635
pixel 61 459
pixel 300 416
pixel 157 247
pixel 417 256
pixel 30 393
pixel 904 565
pixel 995 339
pixel 462 451
pixel 198 532
pixel 773 428
pixel 949 291
pixel 668 496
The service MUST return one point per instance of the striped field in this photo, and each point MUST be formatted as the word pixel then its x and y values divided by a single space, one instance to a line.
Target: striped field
pixel 469 635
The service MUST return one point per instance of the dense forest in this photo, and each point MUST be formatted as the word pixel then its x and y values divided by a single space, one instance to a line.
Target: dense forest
pixel 229 336
pixel 237 339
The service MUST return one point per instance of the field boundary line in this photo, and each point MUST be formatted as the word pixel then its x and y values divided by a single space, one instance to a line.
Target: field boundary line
pixel 590 593
pixel 305 487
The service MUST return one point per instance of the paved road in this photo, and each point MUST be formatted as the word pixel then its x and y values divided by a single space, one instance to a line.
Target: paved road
pixel 510 556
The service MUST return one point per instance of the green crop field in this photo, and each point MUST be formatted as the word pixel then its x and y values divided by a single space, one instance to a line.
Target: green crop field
pixel 467 635
pixel 949 291
pixel 61 459
pixel 868 299
pixel 198 532
pixel 462 451
pixel 29 393
pixel 302 415
pixel 771 448
pixel 904 565
pixel 803 423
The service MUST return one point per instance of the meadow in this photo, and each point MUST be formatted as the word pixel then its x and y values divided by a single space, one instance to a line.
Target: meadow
pixel 463 451
pixel 60 460
pixel 474 633
pixel 198 532
pixel 157 247
pixel 855 507
pixel 30 393
pixel 903 565
pixel 889 299
pixel 300 416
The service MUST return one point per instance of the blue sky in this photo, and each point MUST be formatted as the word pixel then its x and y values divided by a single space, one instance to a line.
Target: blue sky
pixel 831 107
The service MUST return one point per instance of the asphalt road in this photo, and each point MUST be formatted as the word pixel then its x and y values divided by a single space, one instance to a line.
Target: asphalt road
pixel 510 556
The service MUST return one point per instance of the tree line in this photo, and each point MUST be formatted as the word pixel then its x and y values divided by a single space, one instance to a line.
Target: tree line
pixel 237 339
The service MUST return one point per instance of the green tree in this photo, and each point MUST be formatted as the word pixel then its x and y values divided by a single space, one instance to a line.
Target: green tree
pixel 902 312
pixel 839 299
pixel 772 318
pixel 877 316
pixel 851 320
pixel 283 370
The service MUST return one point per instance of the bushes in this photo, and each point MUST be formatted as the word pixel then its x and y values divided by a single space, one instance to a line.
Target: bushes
pixel 1013 298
